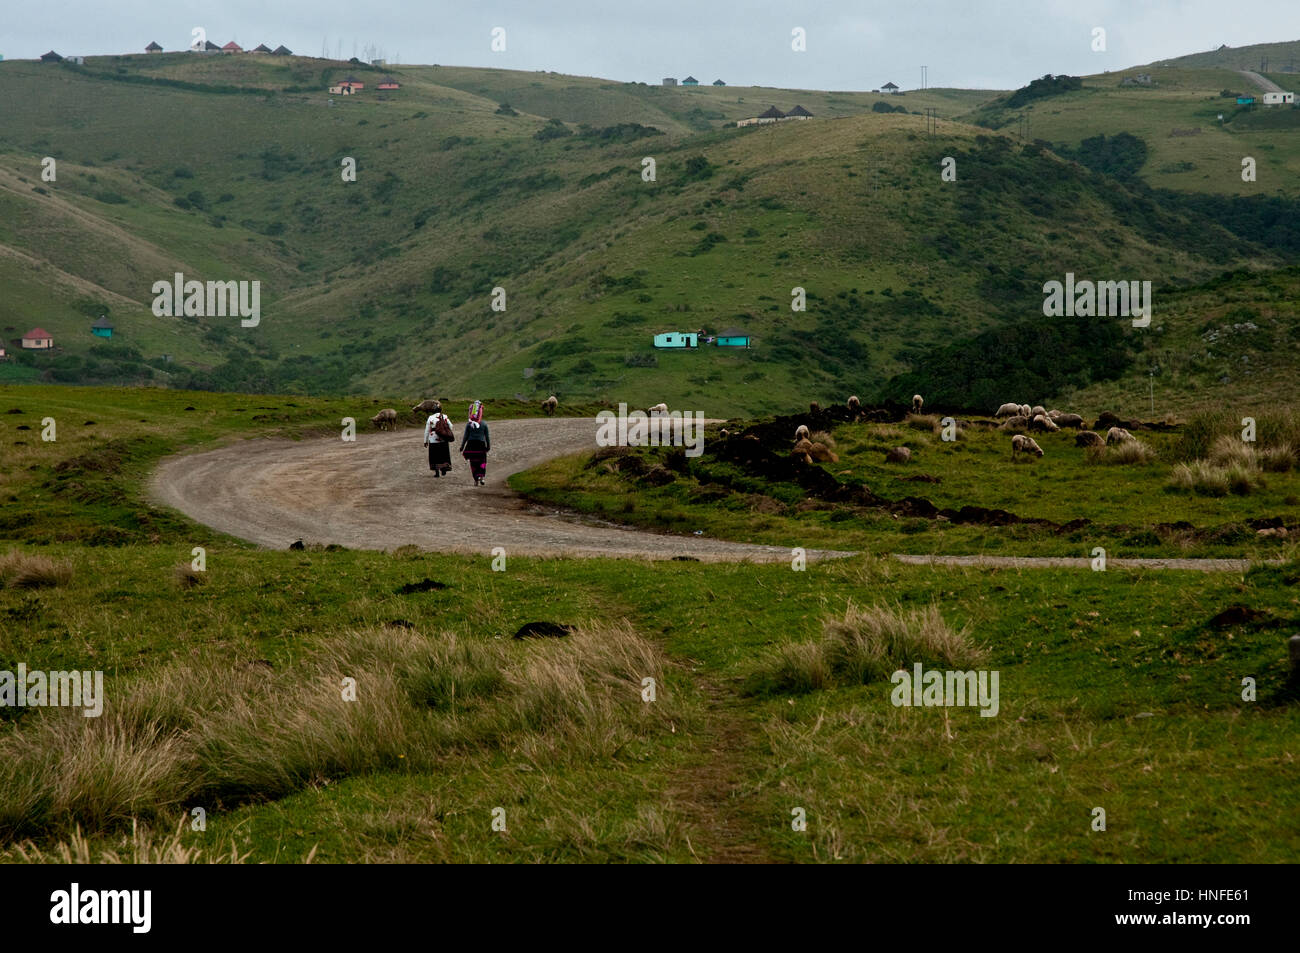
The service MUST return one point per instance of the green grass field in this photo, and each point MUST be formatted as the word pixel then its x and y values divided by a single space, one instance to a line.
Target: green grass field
pixel 1119 690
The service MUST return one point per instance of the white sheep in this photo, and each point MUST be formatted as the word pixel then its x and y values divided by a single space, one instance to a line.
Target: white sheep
pixel 1020 443
pixel 801 433
pixel 1008 410
pixel 917 401
pixel 1018 422
pixel 1044 424
pixel 1025 410
pixel 1117 435
pixel 658 409
pixel 549 405
pixel 1036 410
pixel 854 405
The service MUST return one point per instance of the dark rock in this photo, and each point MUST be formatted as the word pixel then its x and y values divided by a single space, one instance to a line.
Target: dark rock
pixel 424 585
pixel 1240 615
pixel 543 630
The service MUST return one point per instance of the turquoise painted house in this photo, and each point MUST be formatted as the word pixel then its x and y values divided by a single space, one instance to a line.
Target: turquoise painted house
pixel 1245 100
pixel 733 337
pixel 677 339
pixel 103 328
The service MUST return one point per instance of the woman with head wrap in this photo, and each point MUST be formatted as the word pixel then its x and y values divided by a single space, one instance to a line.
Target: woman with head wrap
pixel 438 437
pixel 475 444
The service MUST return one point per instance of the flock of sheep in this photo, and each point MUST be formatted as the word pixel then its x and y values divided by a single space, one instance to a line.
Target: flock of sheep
pixel 1019 420
pixel 386 419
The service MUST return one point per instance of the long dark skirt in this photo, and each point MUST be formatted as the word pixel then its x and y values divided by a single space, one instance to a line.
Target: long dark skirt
pixel 477 462
pixel 439 457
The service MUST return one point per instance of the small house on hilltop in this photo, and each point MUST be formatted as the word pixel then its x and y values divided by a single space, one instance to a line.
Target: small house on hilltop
pixel 103 328
pixel 771 113
pixel 1279 99
pixel 718 82
pixel 670 81
pixel 677 339
pixel 260 48
pixel 153 48
pixel 690 81
pixel 389 83
pixel 340 90
pixel 889 88
pixel 232 47
pixel 75 60
pixel 733 337
pixel 37 339
pixel 51 57
pixel 353 82
pixel 210 47
pixel 282 50
pixel 798 113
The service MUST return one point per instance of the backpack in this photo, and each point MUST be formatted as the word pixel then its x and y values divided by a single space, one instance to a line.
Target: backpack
pixel 442 427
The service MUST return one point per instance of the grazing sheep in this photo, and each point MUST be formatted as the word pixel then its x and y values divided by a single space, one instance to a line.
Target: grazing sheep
pixel 1069 420
pixel 658 409
pixel 1036 411
pixel 1043 424
pixel 386 419
pixel 1117 435
pixel 801 433
pixel 814 408
pixel 1053 414
pixel 917 401
pixel 1086 438
pixel 823 454
pixel 549 405
pixel 854 405
pixel 1026 410
pixel 899 455
pixel 426 406
pixel 1013 424
pixel 1008 410
pixel 1022 444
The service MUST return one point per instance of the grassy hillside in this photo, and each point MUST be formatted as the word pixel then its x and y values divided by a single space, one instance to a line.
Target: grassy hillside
pixel 229 168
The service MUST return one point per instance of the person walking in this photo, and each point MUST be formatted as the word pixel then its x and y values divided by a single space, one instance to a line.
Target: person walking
pixel 438 437
pixel 476 443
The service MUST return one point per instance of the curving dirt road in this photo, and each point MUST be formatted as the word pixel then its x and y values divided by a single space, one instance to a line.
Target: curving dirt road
pixel 378 493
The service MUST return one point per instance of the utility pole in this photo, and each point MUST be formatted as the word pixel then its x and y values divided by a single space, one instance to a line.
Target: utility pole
pixel 924 79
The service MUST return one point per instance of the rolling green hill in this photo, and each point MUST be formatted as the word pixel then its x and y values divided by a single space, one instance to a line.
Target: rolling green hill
pixel 228 168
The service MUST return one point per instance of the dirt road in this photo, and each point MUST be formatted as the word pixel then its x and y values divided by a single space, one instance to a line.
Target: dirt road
pixel 1267 85
pixel 378 493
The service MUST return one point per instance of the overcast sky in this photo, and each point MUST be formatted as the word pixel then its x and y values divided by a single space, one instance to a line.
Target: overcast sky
pixel 851 44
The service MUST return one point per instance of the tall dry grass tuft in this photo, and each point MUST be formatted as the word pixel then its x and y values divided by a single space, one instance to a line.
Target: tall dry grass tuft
pixel 862 646
pixel 237 732
pixel 923 422
pixel 145 845
pixel 1228 450
pixel 874 642
pixel 20 570
pixel 822 437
